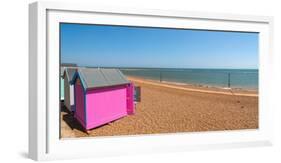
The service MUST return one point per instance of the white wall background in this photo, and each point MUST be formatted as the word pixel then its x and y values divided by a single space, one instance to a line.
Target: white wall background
pixel 14 82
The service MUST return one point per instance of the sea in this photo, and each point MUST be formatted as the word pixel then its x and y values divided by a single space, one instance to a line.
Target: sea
pixel 223 78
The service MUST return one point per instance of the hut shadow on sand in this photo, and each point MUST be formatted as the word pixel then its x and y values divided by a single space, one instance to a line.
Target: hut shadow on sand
pixel 69 119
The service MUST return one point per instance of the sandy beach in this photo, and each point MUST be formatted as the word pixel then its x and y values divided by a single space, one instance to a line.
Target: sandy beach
pixel 171 108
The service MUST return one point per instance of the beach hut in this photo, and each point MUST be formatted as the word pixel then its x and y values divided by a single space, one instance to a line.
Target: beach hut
pixel 101 96
pixel 68 88
pixel 61 83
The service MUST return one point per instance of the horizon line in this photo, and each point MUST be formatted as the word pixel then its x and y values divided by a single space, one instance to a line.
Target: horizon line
pixel 165 67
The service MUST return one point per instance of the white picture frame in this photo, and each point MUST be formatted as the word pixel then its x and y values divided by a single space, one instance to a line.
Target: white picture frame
pixel 44 140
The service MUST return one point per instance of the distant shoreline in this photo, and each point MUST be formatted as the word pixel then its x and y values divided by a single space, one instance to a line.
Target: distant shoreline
pixel 197 88
pixel 220 78
pixel 137 68
pixel 157 74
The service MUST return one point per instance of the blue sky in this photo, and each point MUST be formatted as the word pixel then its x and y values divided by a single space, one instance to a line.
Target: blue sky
pixel 119 46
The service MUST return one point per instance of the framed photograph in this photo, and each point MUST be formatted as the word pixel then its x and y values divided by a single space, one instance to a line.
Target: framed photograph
pixel 109 81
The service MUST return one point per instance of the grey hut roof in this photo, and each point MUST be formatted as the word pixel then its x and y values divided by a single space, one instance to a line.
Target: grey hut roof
pixel 69 73
pixel 97 77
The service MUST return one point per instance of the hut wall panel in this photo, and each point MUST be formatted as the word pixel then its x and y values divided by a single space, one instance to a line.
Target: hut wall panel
pixel 79 103
pixel 130 99
pixel 105 105
pixel 71 95
pixel 66 95
pixel 61 88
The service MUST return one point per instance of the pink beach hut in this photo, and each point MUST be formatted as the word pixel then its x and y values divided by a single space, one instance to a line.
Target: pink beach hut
pixel 101 96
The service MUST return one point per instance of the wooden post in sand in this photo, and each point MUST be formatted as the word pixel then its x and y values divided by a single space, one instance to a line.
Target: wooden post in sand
pixel 228 80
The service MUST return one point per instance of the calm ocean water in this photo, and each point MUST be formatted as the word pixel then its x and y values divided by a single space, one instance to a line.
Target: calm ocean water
pixel 237 78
